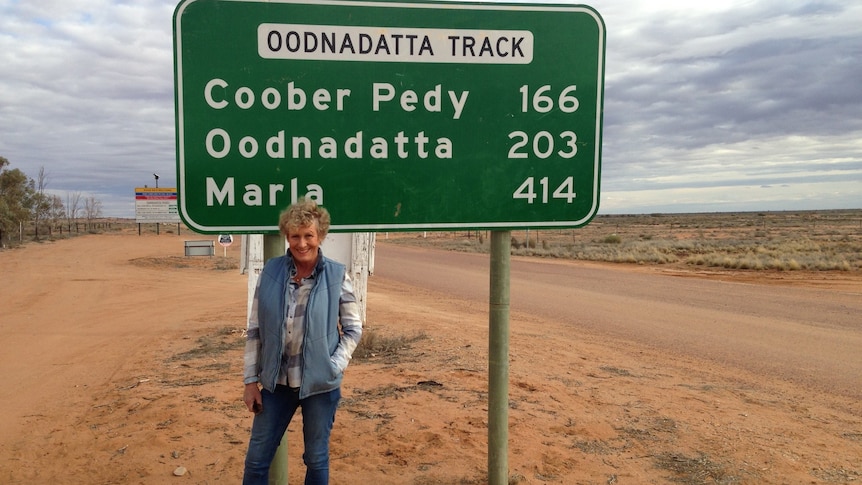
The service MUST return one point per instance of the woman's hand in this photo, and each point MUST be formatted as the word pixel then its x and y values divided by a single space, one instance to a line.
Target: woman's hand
pixel 251 398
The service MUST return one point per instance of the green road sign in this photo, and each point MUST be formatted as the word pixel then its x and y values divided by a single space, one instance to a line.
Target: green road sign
pixel 394 116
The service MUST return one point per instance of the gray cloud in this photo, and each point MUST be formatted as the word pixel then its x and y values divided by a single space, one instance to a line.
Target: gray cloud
pixel 704 104
pixel 758 94
pixel 88 94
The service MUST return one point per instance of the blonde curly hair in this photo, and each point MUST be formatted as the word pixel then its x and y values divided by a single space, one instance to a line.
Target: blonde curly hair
pixel 304 213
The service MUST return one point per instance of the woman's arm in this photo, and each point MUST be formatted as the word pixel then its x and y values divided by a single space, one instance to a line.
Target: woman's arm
pixel 251 358
pixel 351 325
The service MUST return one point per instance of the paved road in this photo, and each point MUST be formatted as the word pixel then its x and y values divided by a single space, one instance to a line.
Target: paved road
pixel 804 335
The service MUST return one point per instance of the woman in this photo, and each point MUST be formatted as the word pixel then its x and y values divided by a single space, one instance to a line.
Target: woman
pixel 295 355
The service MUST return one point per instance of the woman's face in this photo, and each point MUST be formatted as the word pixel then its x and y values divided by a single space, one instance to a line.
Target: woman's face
pixel 304 244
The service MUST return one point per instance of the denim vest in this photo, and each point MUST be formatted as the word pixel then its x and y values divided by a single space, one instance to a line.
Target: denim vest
pixel 319 374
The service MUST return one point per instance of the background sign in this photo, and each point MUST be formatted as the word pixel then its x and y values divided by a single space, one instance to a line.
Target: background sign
pixel 395 116
pixel 156 205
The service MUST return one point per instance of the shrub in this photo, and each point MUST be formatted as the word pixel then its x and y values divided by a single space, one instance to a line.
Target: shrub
pixel 612 239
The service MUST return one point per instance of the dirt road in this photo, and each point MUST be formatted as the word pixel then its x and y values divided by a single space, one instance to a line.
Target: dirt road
pixel 812 337
pixel 121 362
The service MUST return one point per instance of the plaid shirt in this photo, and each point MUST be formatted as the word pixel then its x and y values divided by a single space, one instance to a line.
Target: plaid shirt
pixel 291 361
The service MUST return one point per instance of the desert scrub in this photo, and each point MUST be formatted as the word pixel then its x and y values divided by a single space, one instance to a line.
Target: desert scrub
pixel 634 252
pixel 772 261
pixel 777 241
pixel 780 255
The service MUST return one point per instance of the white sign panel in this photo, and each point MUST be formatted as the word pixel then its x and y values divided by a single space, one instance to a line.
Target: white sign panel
pixel 156 205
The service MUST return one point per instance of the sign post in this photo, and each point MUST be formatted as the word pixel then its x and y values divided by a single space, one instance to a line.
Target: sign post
pixel 225 240
pixel 498 359
pixel 397 117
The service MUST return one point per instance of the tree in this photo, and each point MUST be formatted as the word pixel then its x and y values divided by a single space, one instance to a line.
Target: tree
pixel 16 198
pixel 3 207
pixel 92 209
pixel 73 207
pixel 41 207
pixel 58 212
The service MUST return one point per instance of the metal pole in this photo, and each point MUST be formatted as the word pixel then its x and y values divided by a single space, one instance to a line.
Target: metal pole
pixel 273 245
pixel 498 360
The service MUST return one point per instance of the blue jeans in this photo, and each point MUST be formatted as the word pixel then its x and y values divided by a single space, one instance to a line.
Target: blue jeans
pixel 318 416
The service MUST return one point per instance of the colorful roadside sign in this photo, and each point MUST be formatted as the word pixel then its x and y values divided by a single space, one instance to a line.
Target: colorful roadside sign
pixel 156 205
pixel 395 116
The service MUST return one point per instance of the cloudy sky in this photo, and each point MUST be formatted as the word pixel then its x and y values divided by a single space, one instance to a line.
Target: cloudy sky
pixel 709 106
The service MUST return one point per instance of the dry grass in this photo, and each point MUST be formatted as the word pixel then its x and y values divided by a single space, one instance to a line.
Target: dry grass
pixel 693 470
pixel 782 241
pixel 376 345
pixel 214 345
pixel 217 263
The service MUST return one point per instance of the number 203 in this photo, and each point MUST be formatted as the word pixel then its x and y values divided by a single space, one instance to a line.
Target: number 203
pixel 543 144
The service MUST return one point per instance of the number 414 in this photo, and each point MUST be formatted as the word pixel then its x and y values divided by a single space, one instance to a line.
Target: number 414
pixel 527 190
